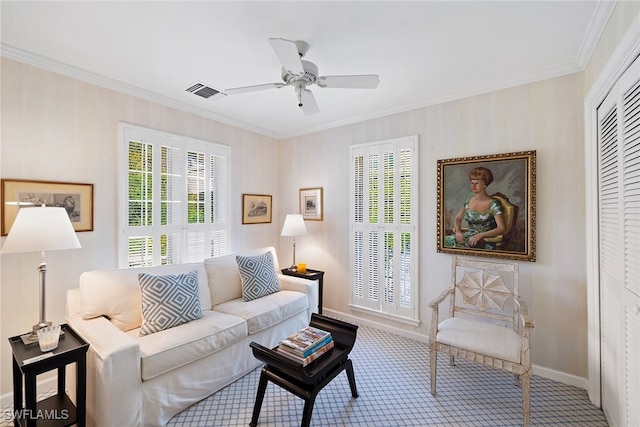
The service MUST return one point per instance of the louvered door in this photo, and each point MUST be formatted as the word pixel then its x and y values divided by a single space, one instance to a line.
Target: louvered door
pixel 619 224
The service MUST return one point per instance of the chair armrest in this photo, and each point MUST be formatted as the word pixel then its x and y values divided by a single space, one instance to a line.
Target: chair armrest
pixel 437 301
pixel 114 381
pixel 435 305
pixel 526 321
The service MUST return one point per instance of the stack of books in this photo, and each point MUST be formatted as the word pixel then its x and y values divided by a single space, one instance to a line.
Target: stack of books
pixel 306 345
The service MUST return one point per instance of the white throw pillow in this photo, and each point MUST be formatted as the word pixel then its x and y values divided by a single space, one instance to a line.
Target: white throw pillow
pixel 168 300
pixel 258 276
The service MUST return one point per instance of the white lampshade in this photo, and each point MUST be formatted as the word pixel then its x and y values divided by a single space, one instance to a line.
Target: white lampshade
pixel 294 226
pixel 41 229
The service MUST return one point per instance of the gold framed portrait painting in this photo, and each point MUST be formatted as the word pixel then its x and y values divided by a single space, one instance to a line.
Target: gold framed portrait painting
pixel 505 226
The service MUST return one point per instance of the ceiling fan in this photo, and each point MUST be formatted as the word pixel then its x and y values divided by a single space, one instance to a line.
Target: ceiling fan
pixel 300 74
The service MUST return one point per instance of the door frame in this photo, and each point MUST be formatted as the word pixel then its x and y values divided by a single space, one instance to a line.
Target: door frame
pixel 623 56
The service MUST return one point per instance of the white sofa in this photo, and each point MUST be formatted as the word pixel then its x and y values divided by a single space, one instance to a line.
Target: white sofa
pixel 145 380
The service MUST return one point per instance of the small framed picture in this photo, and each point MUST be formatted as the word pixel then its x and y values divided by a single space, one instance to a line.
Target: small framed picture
pixel 311 203
pixel 256 209
pixel 77 199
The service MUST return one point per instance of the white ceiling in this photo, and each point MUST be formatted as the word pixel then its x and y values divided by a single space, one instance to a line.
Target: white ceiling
pixel 425 52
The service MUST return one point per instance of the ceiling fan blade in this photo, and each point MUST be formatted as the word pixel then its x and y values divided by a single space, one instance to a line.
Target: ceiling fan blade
pixel 365 81
pixel 308 103
pixel 255 88
pixel 287 51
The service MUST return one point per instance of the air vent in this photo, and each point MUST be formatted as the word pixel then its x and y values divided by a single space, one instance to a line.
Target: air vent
pixel 205 91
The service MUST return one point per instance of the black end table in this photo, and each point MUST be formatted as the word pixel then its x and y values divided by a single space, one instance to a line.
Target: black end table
pixel 56 410
pixel 307 381
pixel 311 275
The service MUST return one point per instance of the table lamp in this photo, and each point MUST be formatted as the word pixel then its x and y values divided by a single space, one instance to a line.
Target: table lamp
pixel 40 229
pixel 294 226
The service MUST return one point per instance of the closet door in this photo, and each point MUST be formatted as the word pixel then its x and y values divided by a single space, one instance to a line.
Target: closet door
pixel 619 226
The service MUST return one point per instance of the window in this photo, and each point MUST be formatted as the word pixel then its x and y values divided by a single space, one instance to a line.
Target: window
pixel 174 198
pixel 384 224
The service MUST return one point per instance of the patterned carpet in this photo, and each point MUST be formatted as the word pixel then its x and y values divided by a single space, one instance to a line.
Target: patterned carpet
pixel 392 377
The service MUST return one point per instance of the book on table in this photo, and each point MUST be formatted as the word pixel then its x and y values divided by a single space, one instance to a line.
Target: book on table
pixel 306 341
pixel 285 351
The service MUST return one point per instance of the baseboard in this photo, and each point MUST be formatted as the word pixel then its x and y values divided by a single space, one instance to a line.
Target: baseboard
pixel 377 325
pixel 562 377
pixel 551 374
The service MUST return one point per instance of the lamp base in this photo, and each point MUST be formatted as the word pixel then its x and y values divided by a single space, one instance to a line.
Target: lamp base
pixel 36 328
pixel 29 339
pixel 32 337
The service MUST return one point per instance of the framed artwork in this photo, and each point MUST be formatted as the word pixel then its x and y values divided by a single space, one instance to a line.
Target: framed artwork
pixel 76 198
pixel 471 211
pixel 311 203
pixel 256 209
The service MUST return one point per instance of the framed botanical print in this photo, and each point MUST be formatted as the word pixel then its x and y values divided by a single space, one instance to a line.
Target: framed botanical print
pixel 311 203
pixel 256 208
pixel 76 198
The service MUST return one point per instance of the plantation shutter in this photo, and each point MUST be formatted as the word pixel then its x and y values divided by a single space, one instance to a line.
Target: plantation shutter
pixel 140 202
pixel 219 167
pixel 176 203
pixel 619 231
pixel 384 190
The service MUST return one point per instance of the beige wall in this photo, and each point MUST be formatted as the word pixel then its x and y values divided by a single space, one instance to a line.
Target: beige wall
pixel 75 137
pixel 58 129
pixel 544 116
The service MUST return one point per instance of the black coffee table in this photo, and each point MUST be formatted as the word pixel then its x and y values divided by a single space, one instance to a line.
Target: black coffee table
pixel 307 381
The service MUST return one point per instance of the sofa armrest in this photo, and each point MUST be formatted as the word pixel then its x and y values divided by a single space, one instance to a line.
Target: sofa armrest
pixel 309 287
pixel 114 384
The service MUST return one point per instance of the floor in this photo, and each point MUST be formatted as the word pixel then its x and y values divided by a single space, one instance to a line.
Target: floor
pixel 393 385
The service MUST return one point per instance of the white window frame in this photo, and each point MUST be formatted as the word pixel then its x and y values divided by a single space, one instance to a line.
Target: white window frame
pixel 368 273
pixel 191 242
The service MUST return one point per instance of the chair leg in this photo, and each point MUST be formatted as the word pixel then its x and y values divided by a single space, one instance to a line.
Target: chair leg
pixel 526 397
pixel 516 380
pixel 433 365
pixel 452 361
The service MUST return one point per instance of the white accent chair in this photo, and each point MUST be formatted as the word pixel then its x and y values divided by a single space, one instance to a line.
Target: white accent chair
pixel 487 322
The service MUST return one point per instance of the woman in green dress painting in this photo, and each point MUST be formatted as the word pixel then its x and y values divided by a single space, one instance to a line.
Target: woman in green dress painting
pixel 482 213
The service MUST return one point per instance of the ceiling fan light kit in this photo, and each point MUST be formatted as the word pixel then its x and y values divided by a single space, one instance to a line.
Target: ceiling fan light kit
pixel 300 74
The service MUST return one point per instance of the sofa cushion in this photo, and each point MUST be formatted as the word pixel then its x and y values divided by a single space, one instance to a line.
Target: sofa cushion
pixel 116 294
pixel 267 311
pixel 224 278
pixel 170 349
pixel 258 275
pixel 169 300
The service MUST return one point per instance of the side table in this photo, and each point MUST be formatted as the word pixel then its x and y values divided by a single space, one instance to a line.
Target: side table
pixel 311 275
pixel 307 381
pixel 56 410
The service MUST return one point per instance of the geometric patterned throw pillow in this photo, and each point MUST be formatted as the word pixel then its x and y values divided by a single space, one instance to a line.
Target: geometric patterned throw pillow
pixel 258 275
pixel 168 301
